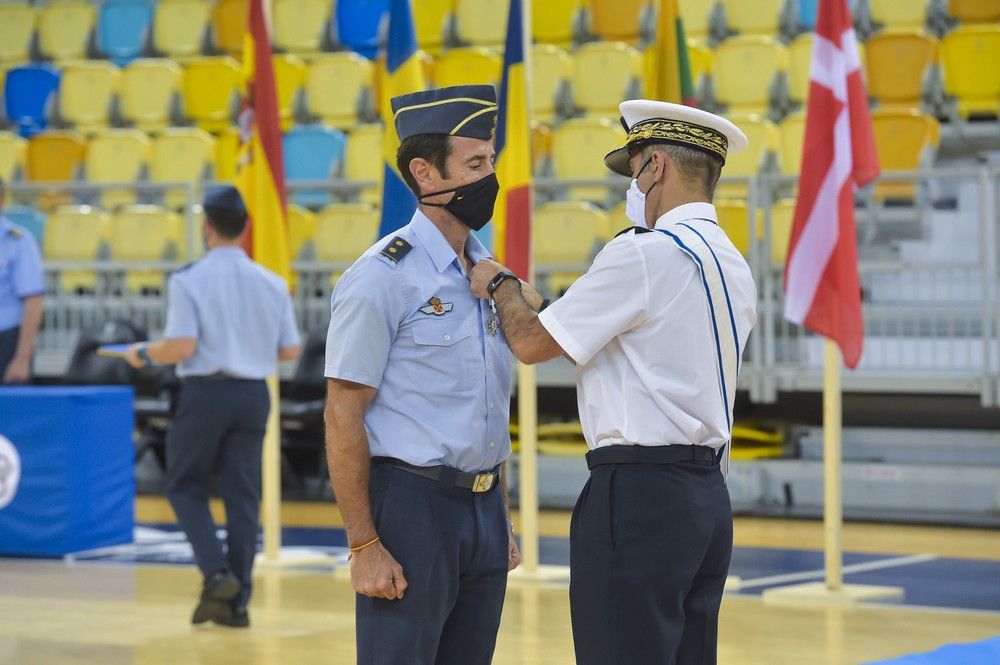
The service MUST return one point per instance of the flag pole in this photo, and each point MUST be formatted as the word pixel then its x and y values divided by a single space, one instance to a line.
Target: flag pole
pixel 832 500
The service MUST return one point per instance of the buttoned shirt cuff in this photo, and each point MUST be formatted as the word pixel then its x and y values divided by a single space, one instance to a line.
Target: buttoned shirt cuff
pixel 562 336
pixel 352 375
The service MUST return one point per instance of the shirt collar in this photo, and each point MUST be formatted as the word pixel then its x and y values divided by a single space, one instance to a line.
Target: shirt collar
pixel 226 250
pixel 437 246
pixel 687 211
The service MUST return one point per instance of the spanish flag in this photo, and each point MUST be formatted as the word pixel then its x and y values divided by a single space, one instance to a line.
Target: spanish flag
pixel 668 73
pixel 512 214
pixel 403 74
pixel 260 171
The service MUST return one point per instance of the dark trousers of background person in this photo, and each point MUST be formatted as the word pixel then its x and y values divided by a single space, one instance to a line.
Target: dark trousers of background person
pixel 8 346
pixel 217 432
pixel 453 548
pixel 649 554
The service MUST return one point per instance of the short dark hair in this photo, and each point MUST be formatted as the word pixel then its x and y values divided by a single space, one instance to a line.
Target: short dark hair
pixel 227 224
pixel 696 168
pixel 435 148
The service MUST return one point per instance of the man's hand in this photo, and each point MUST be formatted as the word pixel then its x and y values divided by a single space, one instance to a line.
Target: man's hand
pixel 132 356
pixel 514 554
pixel 17 370
pixel 481 275
pixel 376 574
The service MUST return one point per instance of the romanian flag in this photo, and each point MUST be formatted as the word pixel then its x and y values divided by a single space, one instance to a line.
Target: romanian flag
pixel 260 171
pixel 512 214
pixel 668 73
pixel 404 74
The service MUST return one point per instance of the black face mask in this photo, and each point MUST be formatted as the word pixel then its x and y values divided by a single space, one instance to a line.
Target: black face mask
pixel 473 203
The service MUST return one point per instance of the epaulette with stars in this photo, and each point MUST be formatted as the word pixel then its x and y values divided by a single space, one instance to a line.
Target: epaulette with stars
pixel 396 249
pixel 15 232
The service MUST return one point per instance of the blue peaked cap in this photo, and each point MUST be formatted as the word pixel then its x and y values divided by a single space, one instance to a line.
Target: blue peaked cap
pixel 461 110
pixel 224 201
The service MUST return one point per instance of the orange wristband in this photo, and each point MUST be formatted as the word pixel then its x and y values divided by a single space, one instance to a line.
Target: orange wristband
pixel 361 547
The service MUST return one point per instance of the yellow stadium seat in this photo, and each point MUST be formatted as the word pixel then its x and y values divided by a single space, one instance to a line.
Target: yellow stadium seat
pixel 553 21
pixel 697 15
pixel 551 70
pixel 343 232
pixel 431 23
pixel 905 141
pixel 144 234
pixel 567 232
pixel 782 217
pixel 64 29
pixel 211 91
pixel 180 155
pixel 299 25
pixel 149 87
pixel 463 66
pixel 700 62
pixel 117 156
pixel 76 234
pixel 12 150
pixel 618 20
pixel 898 61
pixel 229 24
pixel 86 93
pixel 54 156
pixel 363 160
pixel 760 17
pixel 799 62
pixel 578 149
pixel 744 69
pixel 227 149
pixel 605 73
pixel 964 53
pixel 481 22
pixel 908 14
pixel 792 133
pixel 975 11
pixel 734 219
pixel 617 221
pixel 337 86
pixel 541 146
pixel 179 27
pixel 301 230
pixel 763 146
pixel 18 21
pixel 289 75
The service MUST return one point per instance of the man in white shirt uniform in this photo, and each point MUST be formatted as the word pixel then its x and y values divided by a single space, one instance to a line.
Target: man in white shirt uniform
pixel 656 327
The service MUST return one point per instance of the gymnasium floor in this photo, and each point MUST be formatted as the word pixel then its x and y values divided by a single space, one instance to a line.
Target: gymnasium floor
pixel 132 605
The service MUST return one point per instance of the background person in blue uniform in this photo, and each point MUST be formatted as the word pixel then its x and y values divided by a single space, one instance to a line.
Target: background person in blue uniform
pixel 656 328
pixel 229 321
pixel 418 403
pixel 22 286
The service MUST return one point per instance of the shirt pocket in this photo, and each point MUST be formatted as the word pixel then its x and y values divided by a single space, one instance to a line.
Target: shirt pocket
pixel 447 353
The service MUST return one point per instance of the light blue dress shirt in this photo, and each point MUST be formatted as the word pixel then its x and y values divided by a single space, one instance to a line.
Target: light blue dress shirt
pixel 240 313
pixel 412 329
pixel 20 272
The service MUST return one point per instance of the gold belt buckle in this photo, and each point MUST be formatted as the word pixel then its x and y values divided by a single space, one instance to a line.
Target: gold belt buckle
pixel 483 482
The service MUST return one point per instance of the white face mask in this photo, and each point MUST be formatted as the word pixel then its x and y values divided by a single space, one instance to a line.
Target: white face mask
pixel 635 204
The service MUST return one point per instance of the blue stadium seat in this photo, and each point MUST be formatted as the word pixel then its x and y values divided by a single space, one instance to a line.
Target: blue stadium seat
pixel 122 29
pixel 312 152
pixel 358 24
pixel 807 14
pixel 28 93
pixel 29 218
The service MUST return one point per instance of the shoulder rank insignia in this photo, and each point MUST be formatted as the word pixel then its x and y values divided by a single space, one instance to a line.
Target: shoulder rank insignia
pixel 396 249
pixel 637 229
pixel 15 232
pixel 436 307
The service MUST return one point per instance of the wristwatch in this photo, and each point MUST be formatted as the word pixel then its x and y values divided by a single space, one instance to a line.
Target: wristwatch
pixel 143 354
pixel 499 279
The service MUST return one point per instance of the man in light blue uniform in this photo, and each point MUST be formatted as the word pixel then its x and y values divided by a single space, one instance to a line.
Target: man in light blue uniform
pixel 418 403
pixel 21 288
pixel 229 321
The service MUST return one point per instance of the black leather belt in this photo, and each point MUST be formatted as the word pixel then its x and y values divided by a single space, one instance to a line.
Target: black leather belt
pixel 476 482
pixel 650 455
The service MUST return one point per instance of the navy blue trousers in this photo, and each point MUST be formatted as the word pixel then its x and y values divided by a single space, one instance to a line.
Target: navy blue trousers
pixel 217 433
pixel 8 346
pixel 453 547
pixel 649 553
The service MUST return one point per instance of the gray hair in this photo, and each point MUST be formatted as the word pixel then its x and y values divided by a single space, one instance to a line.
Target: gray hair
pixel 697 169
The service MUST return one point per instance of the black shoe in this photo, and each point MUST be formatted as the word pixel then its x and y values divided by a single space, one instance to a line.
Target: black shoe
pixel 236 617
pixel 219 589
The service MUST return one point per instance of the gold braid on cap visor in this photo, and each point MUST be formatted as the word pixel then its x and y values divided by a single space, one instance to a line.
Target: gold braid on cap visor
pixel 682 132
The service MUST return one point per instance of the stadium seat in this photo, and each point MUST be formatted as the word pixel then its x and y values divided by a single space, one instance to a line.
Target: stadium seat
pixel 150 91
pixel 363 160
pixel 905 141
pixel 552 68
pixel 965 51
pixel 312 153
pixel 541 146
pixel 697 16
pixel 556 21
pixel 566 232
pixel 117 156
pixel 604 74
pixel 432 24
pixel 762 150
pixel 744 70
pixel 808 10
pixel 210 90
pixel 481 22
pixel 54 156
pixel 12 149
pixel 734 219
pixel 18 21
pixel 617 221
pixel 64 29
pixel 338 87
pixel 301 231
pixel 699 62
pixel 179 27
pixel 76 234
pixel 227 148
pixel 343 232
pixel 792 133
pixel 123 29
pixel 289 75
pixel 181 155
pixel 229 25
pixel 578 149
pixel 27 217
pixel 782 217
pixel 463 66
pixel 86 94
pixel 29 91
pixel 799 63
pixel 904 14
pixel 300 26
pixel 620 20
pixel 898 62
pixel 760 17
pixel 358 23
pixel 967 12
pixel 144 234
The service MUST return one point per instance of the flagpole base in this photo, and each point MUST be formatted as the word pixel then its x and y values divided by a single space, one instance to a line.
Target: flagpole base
pixel 816 594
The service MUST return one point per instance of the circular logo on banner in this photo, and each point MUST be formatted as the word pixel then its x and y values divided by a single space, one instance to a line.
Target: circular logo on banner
pixel 10 471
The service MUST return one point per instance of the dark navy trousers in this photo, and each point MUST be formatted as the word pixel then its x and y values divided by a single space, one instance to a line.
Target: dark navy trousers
pixel 649 554
pixel 217 432
pixel 453 547
pixel 8 346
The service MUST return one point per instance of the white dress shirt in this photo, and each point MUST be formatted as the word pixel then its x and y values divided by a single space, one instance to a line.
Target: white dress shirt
pixel 639 326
